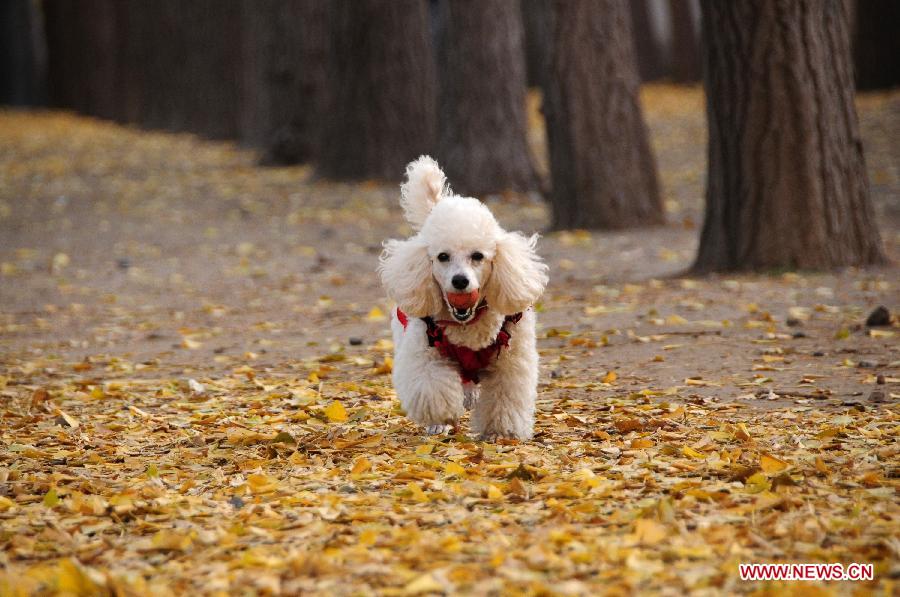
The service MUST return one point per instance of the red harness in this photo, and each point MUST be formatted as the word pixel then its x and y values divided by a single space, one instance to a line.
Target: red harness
pixel 469 361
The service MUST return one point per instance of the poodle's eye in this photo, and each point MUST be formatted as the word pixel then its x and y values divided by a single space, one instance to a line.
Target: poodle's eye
pixel 443 257
pixel 477 256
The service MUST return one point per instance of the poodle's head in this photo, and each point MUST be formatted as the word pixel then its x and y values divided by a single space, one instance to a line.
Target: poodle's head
pixel 460 257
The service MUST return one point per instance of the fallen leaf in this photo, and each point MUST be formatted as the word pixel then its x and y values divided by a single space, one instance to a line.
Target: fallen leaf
pixel 771 465
pixel 336 412
pixel 692 453
pixel 423 584
pixel 626 425
pixel 51 498
pixel 169 540
pixel 6 503
pixel 360 465
pixel 493 492
pixel 649 532
pixel 376 314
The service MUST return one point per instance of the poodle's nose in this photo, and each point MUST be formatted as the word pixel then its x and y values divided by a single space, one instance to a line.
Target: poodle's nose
pixel 460 281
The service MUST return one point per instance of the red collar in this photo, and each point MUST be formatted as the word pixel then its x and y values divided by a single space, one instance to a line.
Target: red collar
pixel 469 361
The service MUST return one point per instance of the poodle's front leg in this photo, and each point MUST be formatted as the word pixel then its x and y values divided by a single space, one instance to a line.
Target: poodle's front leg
pixel 428 388
pixel 505 407
pixel 431 394
pixel 470 393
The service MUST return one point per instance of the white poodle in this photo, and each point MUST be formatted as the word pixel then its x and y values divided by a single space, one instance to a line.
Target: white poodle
pixel 464 289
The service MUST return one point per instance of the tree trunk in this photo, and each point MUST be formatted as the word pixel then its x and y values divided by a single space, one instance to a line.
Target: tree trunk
pixel 21 69
pixel 179 65
pixel 139 28
pixel 82 57
pixel 211 32
pixel 149 62
pixel 685 62
pixel 65 62
pixel 166 64
pixel 537 40
pixel 787 185
pixel 99 18
pixel 381 89
pixel 648 47
pixel 482 142
pixel 602 168
pixel 876 44
pixel 283 77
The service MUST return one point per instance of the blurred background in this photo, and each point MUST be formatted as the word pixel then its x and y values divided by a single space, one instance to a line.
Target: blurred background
pixel 753 135
pixel 193 198
pixel 358 89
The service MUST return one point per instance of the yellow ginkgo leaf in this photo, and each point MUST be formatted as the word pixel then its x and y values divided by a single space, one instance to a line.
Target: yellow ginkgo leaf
pixel 641 442
pixel 336 412
pixel 376 314
pixel 386 367
pixel 692 453
pixel 6 503
pixel 769 464
pixel 260 483
pixel 71 579
pixel 51 498
pixel 649 532
pixel 416 492
pixel 452 469
pixel 360 466
pixel 757 483
pixel 424 584
pixel 169 540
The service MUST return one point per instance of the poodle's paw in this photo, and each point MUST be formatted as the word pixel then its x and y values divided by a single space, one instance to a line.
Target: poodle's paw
pixel 440 429
pixel 493 436
pixel 470 393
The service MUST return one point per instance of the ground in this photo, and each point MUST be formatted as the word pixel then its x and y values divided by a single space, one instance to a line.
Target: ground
pixel 195 390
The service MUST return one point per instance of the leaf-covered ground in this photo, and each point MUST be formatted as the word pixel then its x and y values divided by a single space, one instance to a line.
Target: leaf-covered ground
pixel 195 394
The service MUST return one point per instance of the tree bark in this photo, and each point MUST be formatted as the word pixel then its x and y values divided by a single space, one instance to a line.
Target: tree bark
pixel 537 40
pixel 65 62
pixel 381 89
pixel 210 88
pixel 81 55
pixel 685 56
pixel 648 47
pixel 602 168
pixel 140 29
pixel 283 77
pixel 175 65
pixel 482 143
pixel 876 44
pixel 22 75
pixel 787 185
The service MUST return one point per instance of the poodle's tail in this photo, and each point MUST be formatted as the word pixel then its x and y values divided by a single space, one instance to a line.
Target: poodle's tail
pixel 424 186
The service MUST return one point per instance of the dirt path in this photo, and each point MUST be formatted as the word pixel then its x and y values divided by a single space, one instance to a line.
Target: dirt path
pixel 684 424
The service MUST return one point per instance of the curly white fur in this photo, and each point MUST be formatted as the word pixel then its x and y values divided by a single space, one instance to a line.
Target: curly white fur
pixel 460 247
pixel 424 185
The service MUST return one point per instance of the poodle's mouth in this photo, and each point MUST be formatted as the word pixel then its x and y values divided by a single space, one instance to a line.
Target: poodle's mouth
pixel 462 315
pixel 462 305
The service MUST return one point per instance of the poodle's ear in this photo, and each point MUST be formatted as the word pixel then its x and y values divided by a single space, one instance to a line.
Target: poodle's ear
pixel 424 186
pixel 518 277
pixel 405 271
